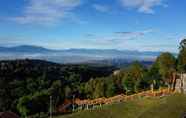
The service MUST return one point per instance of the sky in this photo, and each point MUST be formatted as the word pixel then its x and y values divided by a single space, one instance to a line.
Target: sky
pixel 144 25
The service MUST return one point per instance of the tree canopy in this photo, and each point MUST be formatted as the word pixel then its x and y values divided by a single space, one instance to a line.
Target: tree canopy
pixel 182 56
pixel 166 64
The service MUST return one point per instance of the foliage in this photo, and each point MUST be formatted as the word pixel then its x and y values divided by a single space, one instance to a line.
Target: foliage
pixel 23 105
pixel 32 104
pixel 110 88
pixel 182 56
pixel 166 64
pixel 20 78
pixel 99 89
pixel 129 85
pixel 57 92
pixel 136 70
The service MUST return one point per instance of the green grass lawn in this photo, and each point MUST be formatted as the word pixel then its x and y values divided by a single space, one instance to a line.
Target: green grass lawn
pixel 168 107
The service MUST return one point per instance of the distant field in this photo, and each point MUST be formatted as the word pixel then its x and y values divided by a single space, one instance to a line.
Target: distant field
pixel 168 107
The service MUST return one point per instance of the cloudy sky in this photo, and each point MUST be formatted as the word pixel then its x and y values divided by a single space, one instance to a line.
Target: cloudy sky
pixel 150 25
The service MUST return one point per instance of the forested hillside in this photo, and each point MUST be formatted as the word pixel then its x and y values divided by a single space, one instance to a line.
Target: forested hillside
pixel 32 77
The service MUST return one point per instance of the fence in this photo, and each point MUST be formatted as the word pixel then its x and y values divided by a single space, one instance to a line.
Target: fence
pixel 97 103
pixel 89 104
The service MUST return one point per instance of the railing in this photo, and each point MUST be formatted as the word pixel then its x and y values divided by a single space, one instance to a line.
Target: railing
pixel 122 97
pixel 97 103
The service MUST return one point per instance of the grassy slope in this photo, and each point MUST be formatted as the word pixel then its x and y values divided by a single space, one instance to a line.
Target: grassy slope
pixel 169 107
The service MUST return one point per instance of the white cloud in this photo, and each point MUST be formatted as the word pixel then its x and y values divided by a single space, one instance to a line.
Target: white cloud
pixel 144 6
pixel 132 35
pixel 46 11
pixel 101 8
pixel 118 38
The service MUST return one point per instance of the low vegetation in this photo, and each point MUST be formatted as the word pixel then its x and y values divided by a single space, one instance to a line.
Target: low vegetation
pixel 167 107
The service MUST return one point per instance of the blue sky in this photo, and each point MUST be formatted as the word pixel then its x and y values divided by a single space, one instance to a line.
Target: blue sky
pixel 144 25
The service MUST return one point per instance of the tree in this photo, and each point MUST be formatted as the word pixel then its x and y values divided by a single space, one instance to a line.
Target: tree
pixel 40 102
pixel 129 85
pixel 154 77
pixel 68 92
pixel 23 106
pixel 182 56
pixel 5 97
pixel 110 87
pixel 90 88
pixel 99 89
pixel 136 70
pixel 182 44
pixel 81 91
pixel 56 92
pixel 33 104
pixel 142 84
pixel 166 63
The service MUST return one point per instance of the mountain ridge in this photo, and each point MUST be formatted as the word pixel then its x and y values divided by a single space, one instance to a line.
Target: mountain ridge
pixel 74 55
pixel 40 48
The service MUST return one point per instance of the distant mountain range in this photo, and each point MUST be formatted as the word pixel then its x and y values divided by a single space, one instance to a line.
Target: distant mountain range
pixel 24 49
pixel 73 55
